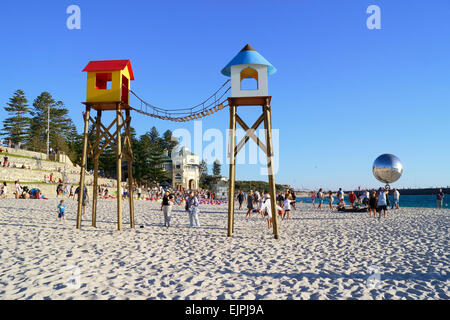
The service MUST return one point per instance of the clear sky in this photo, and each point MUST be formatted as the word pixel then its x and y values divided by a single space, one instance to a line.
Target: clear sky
pixel 343 94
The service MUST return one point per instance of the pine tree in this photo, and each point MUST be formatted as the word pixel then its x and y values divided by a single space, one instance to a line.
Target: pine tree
pixel 167 143
pixel 61 126
pixel 15 127
pixel 216 168
pixel 156 172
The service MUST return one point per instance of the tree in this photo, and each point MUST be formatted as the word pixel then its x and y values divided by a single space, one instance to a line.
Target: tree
pixel 16 127
pixel 61 126
pixel 167 142
pixel 156 172
pixel 203 170
pixel 216 168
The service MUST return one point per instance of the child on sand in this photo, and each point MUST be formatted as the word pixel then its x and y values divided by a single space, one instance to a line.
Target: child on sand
pixel 61 210
pixel 287 208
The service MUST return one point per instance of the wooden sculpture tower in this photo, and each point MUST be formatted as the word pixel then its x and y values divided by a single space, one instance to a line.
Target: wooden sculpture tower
pixel 248 63
pixel 108 84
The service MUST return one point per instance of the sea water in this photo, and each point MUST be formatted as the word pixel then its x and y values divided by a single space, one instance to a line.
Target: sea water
pixel 417 201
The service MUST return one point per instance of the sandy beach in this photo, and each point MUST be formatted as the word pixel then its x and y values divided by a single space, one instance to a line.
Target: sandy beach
pixel 320 255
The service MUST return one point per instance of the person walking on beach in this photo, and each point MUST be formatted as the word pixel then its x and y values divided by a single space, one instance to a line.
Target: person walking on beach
pixel 313 199
pixel 192 208
pixel 240 199
pixel 330 200
pixel 85 197
pixel 166 207
pixel 382 202
pixel 439 199
pixel 320 197
pixel 61 210
pixel 395 203
pixel 286 207
pixel 373 204
pixel 250 200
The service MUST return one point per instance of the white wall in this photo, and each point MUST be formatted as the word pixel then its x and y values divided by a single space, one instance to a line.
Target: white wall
pixel 263 89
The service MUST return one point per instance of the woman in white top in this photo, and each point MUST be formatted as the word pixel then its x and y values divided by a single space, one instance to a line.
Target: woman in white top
pixel 267 208
pixel 287 207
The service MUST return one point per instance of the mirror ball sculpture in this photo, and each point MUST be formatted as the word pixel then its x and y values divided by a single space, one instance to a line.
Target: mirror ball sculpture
pixel 387 168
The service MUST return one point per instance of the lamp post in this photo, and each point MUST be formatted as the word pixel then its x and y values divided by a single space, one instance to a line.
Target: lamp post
pixel 48 131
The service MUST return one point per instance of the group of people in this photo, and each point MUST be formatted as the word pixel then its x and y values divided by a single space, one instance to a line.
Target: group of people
pixel 20 192
pixel 260 202
pixel 375 201
pixel 191 207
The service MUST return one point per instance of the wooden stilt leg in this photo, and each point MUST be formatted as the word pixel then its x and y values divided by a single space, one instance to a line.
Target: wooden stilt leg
pixel 96 157
pixel 119 168
pixel 83 166
pixel 272 191
pixel 231 181
pixel 130 168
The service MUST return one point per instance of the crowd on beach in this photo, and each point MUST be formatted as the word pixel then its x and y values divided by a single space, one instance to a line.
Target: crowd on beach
pixel 374 201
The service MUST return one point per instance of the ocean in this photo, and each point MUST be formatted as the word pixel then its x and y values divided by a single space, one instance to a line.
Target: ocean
pixel 417 201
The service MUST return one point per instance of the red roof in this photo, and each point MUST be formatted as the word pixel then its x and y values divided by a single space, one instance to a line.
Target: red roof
pixel 109 65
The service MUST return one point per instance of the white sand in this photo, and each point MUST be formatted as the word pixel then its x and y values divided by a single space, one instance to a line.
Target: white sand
pixel 320 255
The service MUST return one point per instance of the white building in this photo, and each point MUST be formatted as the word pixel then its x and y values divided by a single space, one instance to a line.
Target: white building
pixel 185 169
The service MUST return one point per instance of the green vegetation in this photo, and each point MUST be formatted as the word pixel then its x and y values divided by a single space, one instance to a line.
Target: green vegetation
pixel 246 186
pixel 29 128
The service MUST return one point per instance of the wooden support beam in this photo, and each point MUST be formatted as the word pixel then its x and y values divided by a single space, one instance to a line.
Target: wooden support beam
pixel 95 160
pixel 272 190
pixel 130 167
pixel 250 133
pixel 83 166
pixel 104 133
pixel 231 180
pixel 113 137
pixel 119 167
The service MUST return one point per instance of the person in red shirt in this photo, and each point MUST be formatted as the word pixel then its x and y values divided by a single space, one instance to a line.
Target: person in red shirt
pixel 352 198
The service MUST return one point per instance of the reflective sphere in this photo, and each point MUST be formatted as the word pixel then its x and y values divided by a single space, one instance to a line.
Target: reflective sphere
pixel 387 168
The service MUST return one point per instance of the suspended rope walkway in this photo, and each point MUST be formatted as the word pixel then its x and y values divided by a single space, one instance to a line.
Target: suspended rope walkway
pixel 217 101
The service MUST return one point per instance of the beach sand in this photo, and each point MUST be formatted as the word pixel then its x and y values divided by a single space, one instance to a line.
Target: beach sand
pixel 320 255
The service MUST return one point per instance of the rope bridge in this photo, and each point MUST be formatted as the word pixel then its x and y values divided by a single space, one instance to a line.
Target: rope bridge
pixel 217 101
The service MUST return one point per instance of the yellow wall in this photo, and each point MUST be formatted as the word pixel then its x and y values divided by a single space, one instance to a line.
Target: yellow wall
pixel 108 95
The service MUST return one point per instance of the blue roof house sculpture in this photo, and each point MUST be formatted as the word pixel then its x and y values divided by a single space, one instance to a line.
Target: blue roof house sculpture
pixel 248 63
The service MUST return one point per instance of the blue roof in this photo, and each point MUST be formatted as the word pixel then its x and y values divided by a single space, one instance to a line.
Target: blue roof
pixel 248 55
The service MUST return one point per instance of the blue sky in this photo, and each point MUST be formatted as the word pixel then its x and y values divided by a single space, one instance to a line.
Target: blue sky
pixel 343 94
